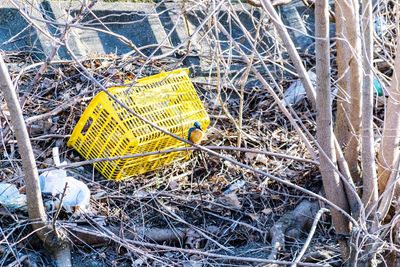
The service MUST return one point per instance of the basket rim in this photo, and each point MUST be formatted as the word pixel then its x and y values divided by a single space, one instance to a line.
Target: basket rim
pixel 148 80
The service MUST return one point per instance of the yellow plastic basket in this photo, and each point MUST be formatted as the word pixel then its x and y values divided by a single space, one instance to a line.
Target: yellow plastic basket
pixel 106 129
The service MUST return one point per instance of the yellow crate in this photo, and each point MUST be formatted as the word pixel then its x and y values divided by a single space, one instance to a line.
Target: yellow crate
pixel 106 129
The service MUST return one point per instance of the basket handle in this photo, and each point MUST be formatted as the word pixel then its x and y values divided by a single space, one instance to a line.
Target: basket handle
pixel 83 122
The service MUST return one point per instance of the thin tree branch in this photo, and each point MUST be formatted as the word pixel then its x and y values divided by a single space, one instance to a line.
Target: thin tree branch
pixel 294 56
pixel 310 236
pixel 190 148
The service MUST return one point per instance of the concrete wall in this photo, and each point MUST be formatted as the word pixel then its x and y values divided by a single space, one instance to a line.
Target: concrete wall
pixel 141 24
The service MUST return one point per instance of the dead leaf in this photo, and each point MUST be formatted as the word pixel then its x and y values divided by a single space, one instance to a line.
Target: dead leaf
pixel 53 129
pixel 178 181
pixel 229 166
pixel 253 216
pixel 266 211
pixel 5 111
pixel 280 2
pixel 250 156
pixel 231 200
pixel 138 262
pixel 140 194
pixel 256 158
pixel 47 83
pixel 275 197
pixel 79 86
pixel 174 184
pixel 261 158
pixel 99 195
pixel 130 76
pixel 48 161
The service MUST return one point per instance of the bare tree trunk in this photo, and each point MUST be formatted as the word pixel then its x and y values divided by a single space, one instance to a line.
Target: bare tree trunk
pixel 55 241
pixel 351 14
pixel 369 178
pixel 342 128
pixel 343 166
pixel 332 184
pixel 389 149
pixel 370 183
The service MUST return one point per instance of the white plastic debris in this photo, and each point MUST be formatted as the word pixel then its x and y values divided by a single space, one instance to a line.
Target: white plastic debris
pixel 77 195
pixel 235 186
pixel 11 198
pixel 296 92
pixel 381 26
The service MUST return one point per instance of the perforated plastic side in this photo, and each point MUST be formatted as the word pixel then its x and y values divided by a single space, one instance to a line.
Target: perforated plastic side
pixel 106 129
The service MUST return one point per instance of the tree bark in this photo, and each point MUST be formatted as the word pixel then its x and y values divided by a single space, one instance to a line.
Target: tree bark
pixel 370 183
pixel 342 128
pixel 55 242
pixel 369 178
pixel 351 13
pixel 389 148
pixel 332 184
pixel 343 166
